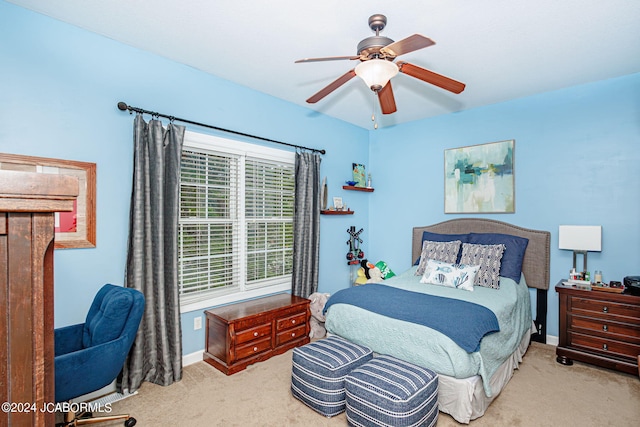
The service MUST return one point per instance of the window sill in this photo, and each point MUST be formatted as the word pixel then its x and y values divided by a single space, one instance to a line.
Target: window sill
pixel 234 297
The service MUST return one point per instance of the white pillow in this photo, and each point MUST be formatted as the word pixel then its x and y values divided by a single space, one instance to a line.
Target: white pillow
pixel 459 276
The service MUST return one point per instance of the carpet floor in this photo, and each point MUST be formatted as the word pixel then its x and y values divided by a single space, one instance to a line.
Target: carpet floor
pixel 541 393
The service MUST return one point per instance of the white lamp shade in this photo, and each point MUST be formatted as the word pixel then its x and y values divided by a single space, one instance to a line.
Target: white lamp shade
pixel 580 237
pixel 376 73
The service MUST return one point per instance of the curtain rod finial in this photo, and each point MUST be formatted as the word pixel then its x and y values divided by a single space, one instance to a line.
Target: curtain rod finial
pixel 122 106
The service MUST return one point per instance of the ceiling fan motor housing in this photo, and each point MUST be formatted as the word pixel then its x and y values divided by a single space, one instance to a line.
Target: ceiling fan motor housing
pixel 370 47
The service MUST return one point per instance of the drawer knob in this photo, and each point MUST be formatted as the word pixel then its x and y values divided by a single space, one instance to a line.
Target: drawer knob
pixel 255 334
pixel 605 309
pixel 604 347
pixel 293 321
pixel 293 334
pixel 255 348
pixel 605 328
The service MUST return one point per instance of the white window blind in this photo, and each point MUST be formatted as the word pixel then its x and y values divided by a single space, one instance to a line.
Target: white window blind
pixel 236 218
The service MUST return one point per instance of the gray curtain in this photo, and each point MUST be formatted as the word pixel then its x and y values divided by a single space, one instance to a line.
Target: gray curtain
pixel 152 258
pixel 306 225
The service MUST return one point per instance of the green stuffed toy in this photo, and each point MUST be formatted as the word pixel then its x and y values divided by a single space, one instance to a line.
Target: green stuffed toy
pixel 384 270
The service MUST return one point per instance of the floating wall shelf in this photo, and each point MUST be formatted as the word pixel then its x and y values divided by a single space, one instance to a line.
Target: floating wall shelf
pixel 330 212
pixel 354 188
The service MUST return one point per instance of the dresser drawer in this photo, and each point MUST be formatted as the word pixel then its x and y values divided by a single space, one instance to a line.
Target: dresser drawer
pixel 605 308
pixel 253 348
pixel 604 327
pixel 604 346
pixel 290 335
pixel 291 321
pixel 253 333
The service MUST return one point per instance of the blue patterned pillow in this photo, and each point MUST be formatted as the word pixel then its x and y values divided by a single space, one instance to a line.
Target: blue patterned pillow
pixel 441 251
pixel 459 276
pixel 437 237
pixel 488 257
pixel 515 247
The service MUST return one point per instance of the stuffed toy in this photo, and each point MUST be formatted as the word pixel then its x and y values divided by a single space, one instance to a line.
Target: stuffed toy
pixel 368 273
pixel 316 322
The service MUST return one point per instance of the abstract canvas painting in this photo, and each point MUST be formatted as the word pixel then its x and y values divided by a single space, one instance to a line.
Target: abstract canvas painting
pixel 480 178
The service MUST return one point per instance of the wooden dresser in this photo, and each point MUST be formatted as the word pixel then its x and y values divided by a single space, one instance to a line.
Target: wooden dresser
pixel 238 335
pixel 27 205
pixel 599 327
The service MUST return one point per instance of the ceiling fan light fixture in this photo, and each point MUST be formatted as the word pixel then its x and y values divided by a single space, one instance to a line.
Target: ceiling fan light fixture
pixel 376 73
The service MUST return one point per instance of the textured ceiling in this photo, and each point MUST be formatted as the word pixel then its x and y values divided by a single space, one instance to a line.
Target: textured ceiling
pixel 501 49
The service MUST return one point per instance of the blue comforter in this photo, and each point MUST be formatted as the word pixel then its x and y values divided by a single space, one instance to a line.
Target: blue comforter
pixel 472 321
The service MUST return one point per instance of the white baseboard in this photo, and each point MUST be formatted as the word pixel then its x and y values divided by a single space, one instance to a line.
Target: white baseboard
pixel 551 340
pixel 190 359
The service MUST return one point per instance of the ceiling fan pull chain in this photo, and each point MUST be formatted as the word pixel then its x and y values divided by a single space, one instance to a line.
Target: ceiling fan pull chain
pixel 373 112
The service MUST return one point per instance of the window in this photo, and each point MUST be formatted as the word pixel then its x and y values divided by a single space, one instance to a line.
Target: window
pixel 235 235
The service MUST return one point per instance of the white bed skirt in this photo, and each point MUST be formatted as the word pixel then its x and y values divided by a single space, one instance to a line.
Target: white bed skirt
pixel 465 399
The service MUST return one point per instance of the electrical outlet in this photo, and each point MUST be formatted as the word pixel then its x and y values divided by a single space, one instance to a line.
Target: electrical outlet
pixel 197 323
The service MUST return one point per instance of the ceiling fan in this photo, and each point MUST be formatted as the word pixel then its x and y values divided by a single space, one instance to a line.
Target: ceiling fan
pixel 376 68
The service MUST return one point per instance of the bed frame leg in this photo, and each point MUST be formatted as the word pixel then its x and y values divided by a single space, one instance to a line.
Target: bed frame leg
pixel 541 317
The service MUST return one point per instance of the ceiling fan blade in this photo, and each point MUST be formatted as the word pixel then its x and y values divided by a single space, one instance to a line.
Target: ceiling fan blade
pixel 387 100
pixel 407 45
pixel 327 58
pixel 431 77
pixel 332 86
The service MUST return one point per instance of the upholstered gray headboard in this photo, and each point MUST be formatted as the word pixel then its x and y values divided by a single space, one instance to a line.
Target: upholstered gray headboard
pixel 535 265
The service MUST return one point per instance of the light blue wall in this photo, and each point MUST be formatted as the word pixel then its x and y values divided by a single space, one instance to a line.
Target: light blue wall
pixel 60 86
pixel 575 153
pixel 576 162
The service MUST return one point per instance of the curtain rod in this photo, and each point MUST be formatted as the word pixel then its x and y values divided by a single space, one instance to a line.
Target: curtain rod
pixel 124 107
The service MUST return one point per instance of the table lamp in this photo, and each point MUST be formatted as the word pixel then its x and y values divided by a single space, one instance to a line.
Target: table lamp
pixel 580 239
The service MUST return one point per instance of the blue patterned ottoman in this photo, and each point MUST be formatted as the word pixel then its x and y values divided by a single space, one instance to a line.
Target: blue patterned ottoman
pixel 390 392
pixel 318 372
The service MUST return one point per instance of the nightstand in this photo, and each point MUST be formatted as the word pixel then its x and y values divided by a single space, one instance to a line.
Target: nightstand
pixel 600 328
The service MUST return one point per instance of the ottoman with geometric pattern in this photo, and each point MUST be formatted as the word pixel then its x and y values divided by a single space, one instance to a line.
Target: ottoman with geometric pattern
pixel 387 391
pixel 319 369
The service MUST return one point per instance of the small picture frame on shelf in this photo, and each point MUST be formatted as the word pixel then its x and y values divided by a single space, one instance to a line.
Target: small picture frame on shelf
pixel 359 175
pixel 337 203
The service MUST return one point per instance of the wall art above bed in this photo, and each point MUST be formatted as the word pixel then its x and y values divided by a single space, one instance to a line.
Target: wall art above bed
pixel 480 178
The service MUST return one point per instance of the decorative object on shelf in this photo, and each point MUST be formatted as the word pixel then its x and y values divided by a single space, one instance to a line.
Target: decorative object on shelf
pixel 480 178
pixel 355 253
pixel 337 203
pixel 369 180
pixel 350 183
pixel 359 175
pixel 324 194
pixel 580 239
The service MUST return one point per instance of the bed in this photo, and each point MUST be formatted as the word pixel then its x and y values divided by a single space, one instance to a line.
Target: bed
pixel 474 361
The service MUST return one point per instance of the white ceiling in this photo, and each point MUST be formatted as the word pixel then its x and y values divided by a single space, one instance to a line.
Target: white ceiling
pixel 502 49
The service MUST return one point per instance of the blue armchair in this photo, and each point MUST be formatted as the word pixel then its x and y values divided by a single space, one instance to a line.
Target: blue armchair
pixel 90 355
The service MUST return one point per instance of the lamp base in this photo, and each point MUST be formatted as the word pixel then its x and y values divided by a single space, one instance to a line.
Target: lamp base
pixel 584 260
